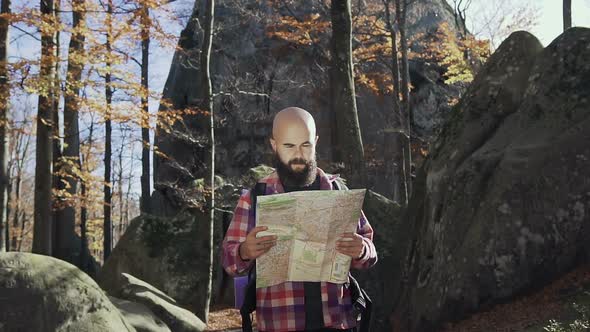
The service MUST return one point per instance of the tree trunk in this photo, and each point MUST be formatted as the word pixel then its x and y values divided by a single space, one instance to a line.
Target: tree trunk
pixel 8 232
pixel 343 96
pixel 4 98
pixel 145 128
pixel 567 14
pixel 43 225
pixel 8 195
pixel 71 151
pixel 84 259
pixel 120 189
pixel 396 140
pixel 21 155
pixel 401 10
pixel 12 164
pixel 22 231
pixel 61 241
pixel 108 226
pixel 207 98
pixel 128 193
pixel 15 214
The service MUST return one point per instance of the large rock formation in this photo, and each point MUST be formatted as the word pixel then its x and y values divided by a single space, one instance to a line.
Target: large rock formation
pixel 41 293
pixel 502 205
pixel 254 75
pixel 246 59
pixel 162 252
pixel 164 307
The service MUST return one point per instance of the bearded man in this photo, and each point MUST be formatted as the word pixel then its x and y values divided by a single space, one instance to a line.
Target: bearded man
pixel 295 306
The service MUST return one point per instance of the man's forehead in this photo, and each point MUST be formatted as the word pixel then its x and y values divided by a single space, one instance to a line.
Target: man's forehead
pixel 293 121
pixel 294 133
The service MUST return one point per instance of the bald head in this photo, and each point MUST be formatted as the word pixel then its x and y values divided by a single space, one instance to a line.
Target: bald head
pixel 293 141
pixel 293 118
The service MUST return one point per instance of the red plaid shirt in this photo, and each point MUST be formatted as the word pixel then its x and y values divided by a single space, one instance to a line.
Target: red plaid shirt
pixel 281 307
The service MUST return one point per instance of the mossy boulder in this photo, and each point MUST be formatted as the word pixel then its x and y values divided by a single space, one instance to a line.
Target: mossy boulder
pixel 41 293
pixel 162 252
pixel 502 204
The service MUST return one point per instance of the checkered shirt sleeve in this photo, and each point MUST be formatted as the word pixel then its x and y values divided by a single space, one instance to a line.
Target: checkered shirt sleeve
pixel 241 223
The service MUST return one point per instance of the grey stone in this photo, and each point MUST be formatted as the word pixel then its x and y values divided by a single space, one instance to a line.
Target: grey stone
pixel 139 316
pixel 499 207
pixel 161 252
pixel 41 293
pixel 176 318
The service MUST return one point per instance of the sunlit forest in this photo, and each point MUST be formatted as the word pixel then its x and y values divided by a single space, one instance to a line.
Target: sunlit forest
pixel 129 128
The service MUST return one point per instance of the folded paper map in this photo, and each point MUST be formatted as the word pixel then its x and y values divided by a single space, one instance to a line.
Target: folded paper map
pixel 307 225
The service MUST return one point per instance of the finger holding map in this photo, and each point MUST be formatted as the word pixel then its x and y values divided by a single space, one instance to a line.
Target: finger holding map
pixel 254 246
pixel 351 244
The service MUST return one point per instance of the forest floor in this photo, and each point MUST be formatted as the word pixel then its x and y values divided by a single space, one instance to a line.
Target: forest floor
pixel 533 312
pixel 528 313
pixel 226 319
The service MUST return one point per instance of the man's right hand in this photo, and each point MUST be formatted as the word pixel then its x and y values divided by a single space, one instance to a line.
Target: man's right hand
pixel 253 247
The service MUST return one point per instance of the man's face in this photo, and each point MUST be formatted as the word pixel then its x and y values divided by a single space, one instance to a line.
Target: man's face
pixel 295 149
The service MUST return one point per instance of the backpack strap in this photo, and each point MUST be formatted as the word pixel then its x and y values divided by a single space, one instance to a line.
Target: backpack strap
pixel 259 190
pixel 339 184
pixel 362 304
pixel 249 304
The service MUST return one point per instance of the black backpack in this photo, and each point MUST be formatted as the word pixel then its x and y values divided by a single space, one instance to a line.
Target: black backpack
pixel 362 304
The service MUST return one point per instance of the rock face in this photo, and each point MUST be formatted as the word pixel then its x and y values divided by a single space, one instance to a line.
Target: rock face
pixel 246 59
pixel 139 316
pixel 41 293
pixel 164 307
pixel 162 252
pixel 502 205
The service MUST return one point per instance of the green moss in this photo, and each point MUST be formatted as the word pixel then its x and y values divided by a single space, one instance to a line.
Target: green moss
pixel 257 173
pixel 157 234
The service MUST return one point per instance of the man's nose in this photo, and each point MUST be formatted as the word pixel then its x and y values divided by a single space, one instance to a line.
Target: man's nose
pixel 299 153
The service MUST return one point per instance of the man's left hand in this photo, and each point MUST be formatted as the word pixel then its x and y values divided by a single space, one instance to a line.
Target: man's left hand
pixel 351 244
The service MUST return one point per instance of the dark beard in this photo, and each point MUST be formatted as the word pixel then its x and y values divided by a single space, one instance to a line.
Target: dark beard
pixel 289 177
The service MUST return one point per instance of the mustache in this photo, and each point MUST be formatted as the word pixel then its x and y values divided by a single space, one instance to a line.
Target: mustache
pixel 298 161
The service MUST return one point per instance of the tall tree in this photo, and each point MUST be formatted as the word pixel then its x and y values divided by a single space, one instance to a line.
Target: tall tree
pixel 349 142
pixel 567 14
pixel 397 135
pixel 71 151
pixel 207 98
pixel 145 128
pixel 60 242
pixel 43 224
pixel 4 97
pixel 120 184
pixel 108 224
pixel 20 154
pixel 401 8
pixel 84 160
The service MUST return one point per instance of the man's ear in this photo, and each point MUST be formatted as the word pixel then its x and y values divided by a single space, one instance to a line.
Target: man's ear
pixel 273 144
pixel 317 138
